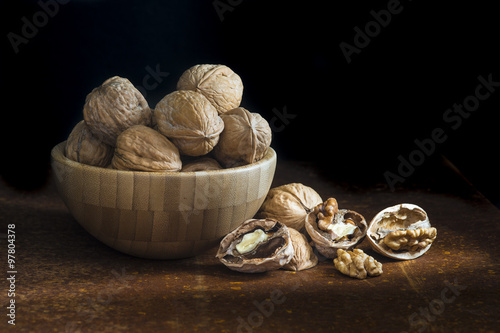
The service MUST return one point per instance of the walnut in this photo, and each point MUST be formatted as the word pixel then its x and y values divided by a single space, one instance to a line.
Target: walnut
pixel 357 264
pixel 201 164
pixel 331 228
pixel 257 245
pixel 289 204
pixel 304 256
pixel 401 232
pixel 190 121
pixel 218 83
pixel 411 240
pixel 142 148
pixel 113 107
pixel 83 146
pixel 245 139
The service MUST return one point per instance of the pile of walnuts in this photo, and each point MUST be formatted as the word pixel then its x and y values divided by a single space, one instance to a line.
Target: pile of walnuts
pixel 199 126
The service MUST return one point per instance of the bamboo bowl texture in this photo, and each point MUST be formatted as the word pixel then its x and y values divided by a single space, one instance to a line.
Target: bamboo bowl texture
pixel 157 215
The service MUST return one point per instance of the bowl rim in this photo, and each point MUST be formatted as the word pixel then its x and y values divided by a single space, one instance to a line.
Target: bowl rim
pixel 57 154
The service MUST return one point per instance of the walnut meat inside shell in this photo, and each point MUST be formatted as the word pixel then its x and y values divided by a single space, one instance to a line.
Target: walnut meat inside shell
pixel 142 148
pixel 113 107
pixel 290 204
pixel 244 140
pixel 83 146
pixel 331 228
pixel 190 121
pixel 218 83
pixel 257 245
pixel 401 232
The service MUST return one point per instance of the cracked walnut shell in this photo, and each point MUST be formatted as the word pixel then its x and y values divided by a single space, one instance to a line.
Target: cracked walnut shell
pixel 141 148
pixel 244 140
pixel 331 228
pixel 290 204
pixel 218 83
pixel 401 232
pixel 83 146
pixel 357 264
pixel 190 121
pixel 113 107
pixel 303 254
pixel 257 245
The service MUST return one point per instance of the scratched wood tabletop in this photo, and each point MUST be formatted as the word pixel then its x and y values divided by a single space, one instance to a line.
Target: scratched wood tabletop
pixel 66 281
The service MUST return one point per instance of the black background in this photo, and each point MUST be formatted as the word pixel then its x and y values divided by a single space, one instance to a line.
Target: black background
pixel 354 119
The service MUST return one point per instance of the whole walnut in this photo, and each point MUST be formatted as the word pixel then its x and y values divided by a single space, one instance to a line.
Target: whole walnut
pixel 245 139
pixel 141 148
pixel 190 121
pixel 83 146
pixel 201 164
pixel 113 107
pixel 218 83
pixel 290 204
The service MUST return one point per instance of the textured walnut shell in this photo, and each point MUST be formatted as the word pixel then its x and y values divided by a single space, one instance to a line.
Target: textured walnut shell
pixel 201 164
pixel 113 107
pixel 290 204
pixel 190 121
pixel 273 254
pixel 304 256
pixel 323 241
pixel 245 139
pixel 218 83
pixel 357 264
pixel 142 148
pixel 401 232
pixel 82 146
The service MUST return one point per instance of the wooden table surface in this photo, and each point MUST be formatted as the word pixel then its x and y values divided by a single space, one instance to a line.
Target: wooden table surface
pixel 67 281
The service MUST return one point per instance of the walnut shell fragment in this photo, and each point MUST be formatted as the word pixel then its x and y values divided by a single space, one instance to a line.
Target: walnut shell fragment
pixel 304 256
pixel 357 264
pixel 401 232
pixel 218 83
pixel 83 146
pixel 331 228
pixel 257 245
pixel 244 140
pixel 290 204
pixel 113 107
pixel 190 121
pixel 141 148
pixel 201 164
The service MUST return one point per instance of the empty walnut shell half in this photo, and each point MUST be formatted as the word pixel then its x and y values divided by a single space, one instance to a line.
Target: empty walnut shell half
pixel 190 121
pixel 245 138
pixel 218 83
pixel 290 204
pixel 257 245
pixel 113 107
pixel 84 147
pixel 331 228
pixel 304 256
pixel 401 232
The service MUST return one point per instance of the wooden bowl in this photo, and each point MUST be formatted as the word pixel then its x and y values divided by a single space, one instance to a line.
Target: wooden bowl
pixel 161 215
